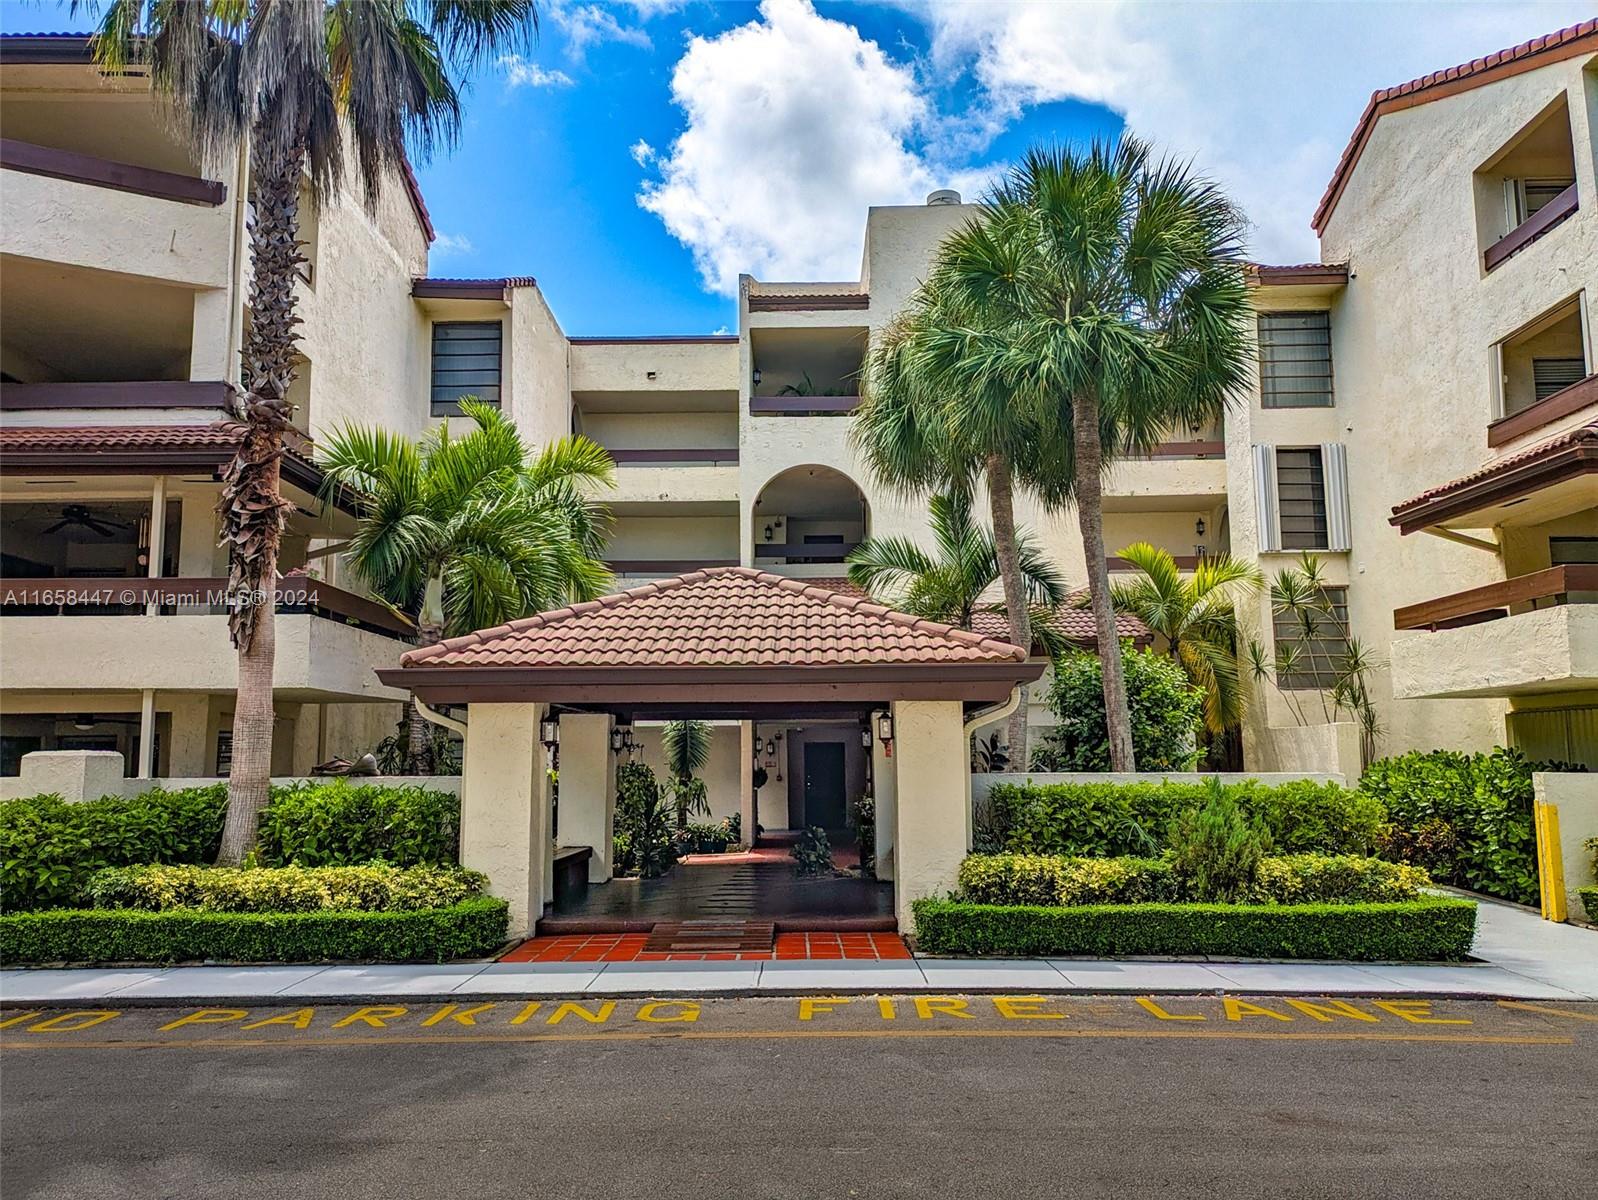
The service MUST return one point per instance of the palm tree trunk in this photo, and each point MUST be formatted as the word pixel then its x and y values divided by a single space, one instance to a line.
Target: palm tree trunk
pixel 1090 516
pixel 1001 509
pixel 419 731
pixel 251 506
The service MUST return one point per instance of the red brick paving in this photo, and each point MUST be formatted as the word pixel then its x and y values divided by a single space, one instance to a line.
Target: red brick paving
pixel 629 947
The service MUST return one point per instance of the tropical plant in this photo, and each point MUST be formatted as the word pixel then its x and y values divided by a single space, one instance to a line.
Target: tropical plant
pixel 1197 617
pixel 812 853
pixel 807 387
pixel 1320 655
pixel 948 584
pixel 1166 714
pixel 686 746
pixel 469 531
pixel 1216 850
pixel 312 86
pixel 988 755
pixel 643 842
pixel 1101 299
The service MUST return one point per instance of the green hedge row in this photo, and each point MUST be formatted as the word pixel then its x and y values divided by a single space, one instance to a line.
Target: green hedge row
pixel 1107 820
pixel 471 928
pixel 1430 928
pixel 1057 880
pixel 375 887
pixel 50 849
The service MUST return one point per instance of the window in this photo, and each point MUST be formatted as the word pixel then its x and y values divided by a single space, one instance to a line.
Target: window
pixel 1550 375
pixel 1301 498
pixel 1314 642
pixel 1572 551
pixel 466 362
pixel 1295 360
pixel 1545 356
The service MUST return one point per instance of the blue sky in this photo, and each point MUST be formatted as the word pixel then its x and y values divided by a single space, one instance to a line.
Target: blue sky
pixel 647 151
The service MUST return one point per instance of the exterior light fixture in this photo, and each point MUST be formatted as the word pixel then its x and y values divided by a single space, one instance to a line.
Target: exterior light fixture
pixel 769 533
pixel 757 376
pixel 885 729
pixel 1198 527
pixel 549 732
pixel 616 741
pixel 83 721
pixel 865 737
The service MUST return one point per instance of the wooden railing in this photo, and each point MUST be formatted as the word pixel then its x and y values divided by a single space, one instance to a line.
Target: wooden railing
pixel 77 596
pixel 102 172
pixel 1495 600
pixel 1532 228
pixel 1551 408
pixel 1205 449
pixel 826 552
pixel 803 406
pixel 654 455
pixel 144 394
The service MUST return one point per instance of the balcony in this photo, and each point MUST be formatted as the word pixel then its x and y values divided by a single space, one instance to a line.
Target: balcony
pixel 1555 212
pixel 1532 634
pixel 806 372
pixel 97 634
pixel 1170 476
pixel 162 402
pixel 681 475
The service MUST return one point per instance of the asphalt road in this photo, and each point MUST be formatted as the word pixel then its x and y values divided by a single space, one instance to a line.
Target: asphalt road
pixel 867 1097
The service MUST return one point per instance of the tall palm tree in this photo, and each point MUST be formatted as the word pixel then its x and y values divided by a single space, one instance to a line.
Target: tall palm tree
pixel 1197 617
pixel 318 85
pixel 470 531
pixel 948 584
pixel 1105 294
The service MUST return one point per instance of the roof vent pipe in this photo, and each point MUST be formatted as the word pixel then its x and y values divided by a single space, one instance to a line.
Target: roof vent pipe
pixel 942 196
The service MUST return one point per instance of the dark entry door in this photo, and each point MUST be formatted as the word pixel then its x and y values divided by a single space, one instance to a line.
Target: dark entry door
pixel 824 803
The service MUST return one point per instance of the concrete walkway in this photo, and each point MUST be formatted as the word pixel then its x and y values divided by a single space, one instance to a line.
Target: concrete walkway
pixel 1526 958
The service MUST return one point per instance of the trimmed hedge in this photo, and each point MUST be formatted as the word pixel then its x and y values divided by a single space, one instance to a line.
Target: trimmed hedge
pixel 1108 820
pixel 373 888
pixel 338 823
pixel 1052 880
pixel 1429 928
pixel 471 928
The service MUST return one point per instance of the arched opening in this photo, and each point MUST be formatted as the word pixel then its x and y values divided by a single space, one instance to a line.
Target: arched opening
pixel 808 518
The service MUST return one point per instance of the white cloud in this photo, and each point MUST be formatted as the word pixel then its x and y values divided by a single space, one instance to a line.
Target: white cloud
pixel 794 125
pixel 521 73
pixel 643 153
pixel 587 25
pixel 1264 96
pixel 448 245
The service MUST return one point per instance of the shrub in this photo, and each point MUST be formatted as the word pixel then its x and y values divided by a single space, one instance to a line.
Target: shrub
pixel 643 836
pixel 865 824
pixel 49 849
pixel 1429 928
pixel 1589 901
pixel 703 839
pixel 1110 819
pixel 470 928
pixel 1056 881
pixel 733 824
pixel 1216 850
pixel 375 888
pixel 1166 713
pixel 340 822
pixel 1484 800
pixel 812 853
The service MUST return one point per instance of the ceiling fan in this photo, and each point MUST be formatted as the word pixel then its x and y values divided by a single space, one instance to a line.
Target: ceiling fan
pixel 80 514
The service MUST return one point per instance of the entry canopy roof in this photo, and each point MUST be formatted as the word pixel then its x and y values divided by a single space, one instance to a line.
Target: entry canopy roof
pixel 721 641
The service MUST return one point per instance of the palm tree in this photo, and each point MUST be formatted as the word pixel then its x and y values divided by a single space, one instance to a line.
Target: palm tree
pixel 686 746
pixel 1104 294
pixel 470 531
pixel 1197 617
pixel 948 584
pixel 316 85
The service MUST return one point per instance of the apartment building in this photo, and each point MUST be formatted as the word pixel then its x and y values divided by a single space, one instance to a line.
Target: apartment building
pixel 1445 337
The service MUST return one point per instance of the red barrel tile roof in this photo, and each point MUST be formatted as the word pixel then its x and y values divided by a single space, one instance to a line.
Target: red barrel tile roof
pixel 1580 435
pixel 718 616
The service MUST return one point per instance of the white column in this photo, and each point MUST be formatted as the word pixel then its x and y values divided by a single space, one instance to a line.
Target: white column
pixel 505 807
pixel 747 813
pixel 933 769
pixel 157 546
pixel 210 347
pixel 147 734
pixel 588 789
pixel 885 791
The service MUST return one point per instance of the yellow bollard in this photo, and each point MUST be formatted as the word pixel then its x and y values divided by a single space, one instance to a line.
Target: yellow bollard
pixel 1550 861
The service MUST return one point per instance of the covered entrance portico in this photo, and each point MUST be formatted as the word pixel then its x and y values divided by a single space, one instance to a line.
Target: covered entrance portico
pixel 722 643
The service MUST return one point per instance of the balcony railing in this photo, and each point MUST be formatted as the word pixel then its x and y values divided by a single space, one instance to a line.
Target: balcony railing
pixel 1555 585
pixel 1561 404
pixel 669 456
pixel 803 406
pixel 127 596
pixel 102 172
pixel 1532 228
pixel 143 394
pixel 805 552
pixel 1205 449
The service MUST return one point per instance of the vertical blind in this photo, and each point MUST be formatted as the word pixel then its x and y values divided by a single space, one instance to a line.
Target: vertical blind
pixel 1295 359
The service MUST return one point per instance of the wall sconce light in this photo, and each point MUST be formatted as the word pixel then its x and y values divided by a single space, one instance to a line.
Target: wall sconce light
pixel 549 732
pixel 885 733
pixel 1198 527
pixel 865 737
pixel 83 721
pixel 616 739
pixel 769 533
pixel 756 377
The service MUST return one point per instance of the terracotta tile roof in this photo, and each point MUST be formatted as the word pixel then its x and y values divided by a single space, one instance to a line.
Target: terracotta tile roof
pixel 1573 40
pixel 87 439
pixel 716 617
pixel 1578 436
pixel 1268 274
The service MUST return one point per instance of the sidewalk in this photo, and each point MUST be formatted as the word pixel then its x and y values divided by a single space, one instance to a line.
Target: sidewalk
pixel 1526 958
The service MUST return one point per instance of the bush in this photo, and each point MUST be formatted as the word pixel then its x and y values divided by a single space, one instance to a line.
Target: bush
pixel 1429 928
pixel 1166 714
pixel 1589 901
pixel 703 839
pixel 1466 818
pixel 375 888
pixel 865 825
pixel 49 849
pixel 339 823
pixel 1216 850
pixel 1111 819
pixel 642 836
pixel 1055 881
pixel 468 929
pixel 812 853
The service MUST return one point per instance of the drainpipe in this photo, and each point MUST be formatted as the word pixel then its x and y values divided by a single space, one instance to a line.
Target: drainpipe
pixel 997 713
pixel 438 718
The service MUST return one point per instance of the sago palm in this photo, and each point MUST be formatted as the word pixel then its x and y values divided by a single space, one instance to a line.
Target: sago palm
pixel 322 86
pixel 469 531
pixel 948 584
pixel 1105 298
pixel 1197 617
